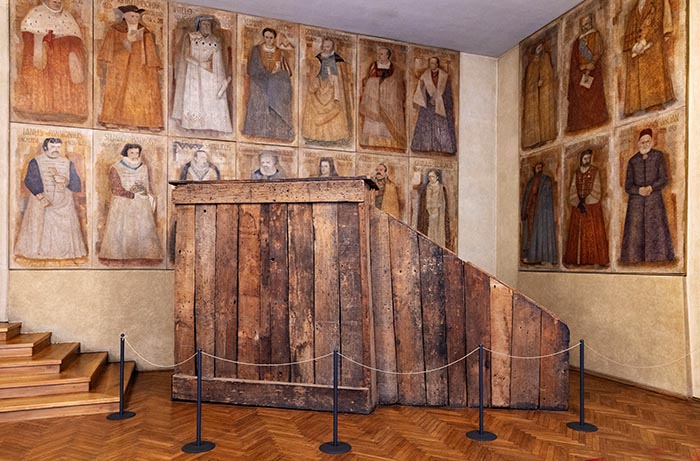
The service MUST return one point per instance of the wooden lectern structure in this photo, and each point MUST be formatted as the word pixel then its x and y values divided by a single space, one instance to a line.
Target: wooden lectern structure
pixel 277 272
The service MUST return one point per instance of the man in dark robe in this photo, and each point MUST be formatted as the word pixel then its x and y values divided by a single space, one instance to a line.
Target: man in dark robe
pixel 587 106
pixel 647 237
pixel 587 244
pixel 538 242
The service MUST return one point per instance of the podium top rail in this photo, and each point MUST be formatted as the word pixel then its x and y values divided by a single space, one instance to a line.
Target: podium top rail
pixel 294 190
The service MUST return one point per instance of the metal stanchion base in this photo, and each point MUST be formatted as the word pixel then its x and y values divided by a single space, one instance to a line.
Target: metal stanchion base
pixel 194 447
pixel 120 416
pixel 335 448
pixel 485 436
pixel 585 427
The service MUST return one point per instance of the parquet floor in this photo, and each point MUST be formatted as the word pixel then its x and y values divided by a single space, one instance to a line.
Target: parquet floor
pixel 634 425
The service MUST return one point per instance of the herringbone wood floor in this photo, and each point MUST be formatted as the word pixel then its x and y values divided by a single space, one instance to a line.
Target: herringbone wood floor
pixel 634 425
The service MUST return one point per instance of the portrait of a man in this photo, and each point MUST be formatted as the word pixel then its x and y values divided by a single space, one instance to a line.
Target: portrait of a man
pixel 538 241
pixel 269 167
pixel 539 118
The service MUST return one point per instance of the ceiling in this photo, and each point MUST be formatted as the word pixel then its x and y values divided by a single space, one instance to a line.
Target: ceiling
pixel 482 27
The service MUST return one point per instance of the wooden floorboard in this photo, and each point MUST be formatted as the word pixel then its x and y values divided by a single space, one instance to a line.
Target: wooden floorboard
pixel 634 425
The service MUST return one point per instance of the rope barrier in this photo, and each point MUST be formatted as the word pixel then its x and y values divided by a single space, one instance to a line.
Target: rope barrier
pixel 267 364
pixel 642 367
pixel 389 372
pixel 533 357
pixel 155 364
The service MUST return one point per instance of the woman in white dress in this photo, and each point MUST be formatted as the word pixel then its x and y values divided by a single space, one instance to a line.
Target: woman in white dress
pixel 201 83
pixel 130 230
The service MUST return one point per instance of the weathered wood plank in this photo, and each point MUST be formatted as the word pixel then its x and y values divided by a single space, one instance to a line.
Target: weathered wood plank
pixel 350 294
pixel 274 394
pixel 279 292
pixel 432 292
pixel 408 321
pixel 184 289
pixel 525 373
pixel 478 332
pixel 501 342
pixel 368 352
pixel 301 292
pixel 383 306
pixel 455 320
pixel 326 291
pixel 306 190
pixel 264 341
pixel 204 282
pixel 554 371
pixel 249 273
pixel 226 297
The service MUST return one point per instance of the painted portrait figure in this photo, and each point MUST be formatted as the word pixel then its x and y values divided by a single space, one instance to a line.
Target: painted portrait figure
pixel 648 82
pixel 587 242
pixel 587 104
pixel 538 242
pixel 270 103
pixel 52 83
pixel 130 230
pixel 387 197
pixel 433 210
pixel 646 236
pixel 326 116
pixel 435 126
pixel 50 227
pixel 130 68
pixel 200 168
pixel 326 167
pixel 201 80
pixel 539 122
pixel 269 167
pixel 382 114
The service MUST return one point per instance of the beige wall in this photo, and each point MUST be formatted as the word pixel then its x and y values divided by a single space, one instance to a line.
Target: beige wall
pixel 636 320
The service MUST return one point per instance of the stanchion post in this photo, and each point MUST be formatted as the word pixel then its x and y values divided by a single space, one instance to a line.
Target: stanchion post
pixel 581 425
pixel 121 414
pixel 335 447
pixel 481 435
pixel 198 446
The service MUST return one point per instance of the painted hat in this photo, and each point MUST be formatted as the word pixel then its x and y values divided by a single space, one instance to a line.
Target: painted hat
pixel 131 9
pixel 646 131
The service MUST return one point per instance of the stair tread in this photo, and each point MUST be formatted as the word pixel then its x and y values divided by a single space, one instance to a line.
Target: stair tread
pixel 80 370
pixel 7 326
pixel 24 340
pixel 53 354
pixel 106 391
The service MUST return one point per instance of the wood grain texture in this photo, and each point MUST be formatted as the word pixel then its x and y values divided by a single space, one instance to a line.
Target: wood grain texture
pixel 408 318
pixel 301 292
pixel 326 288
pixel 184 289
pixel 432 293
pixel 226 296
pixel 382 305
pixel 501 342
pixel 525 374
pixel 204 284
pixel 279 292
pixel 456 323
pixel 249 273
pixel 554 371
pixel 478 331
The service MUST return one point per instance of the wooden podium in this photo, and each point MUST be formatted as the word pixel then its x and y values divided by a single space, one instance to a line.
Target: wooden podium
pixel 287 271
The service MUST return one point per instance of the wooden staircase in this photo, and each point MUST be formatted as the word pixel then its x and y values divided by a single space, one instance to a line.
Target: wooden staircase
pixel 43 380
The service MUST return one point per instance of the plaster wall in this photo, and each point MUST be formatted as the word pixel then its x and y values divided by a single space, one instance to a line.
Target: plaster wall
pixel 4 157
pixel 477 160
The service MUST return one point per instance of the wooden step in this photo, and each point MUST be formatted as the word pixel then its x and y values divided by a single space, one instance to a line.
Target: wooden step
pixel 76 378
pixel 104 398
pixel 24 345
pixel 9 330
pixel 52 359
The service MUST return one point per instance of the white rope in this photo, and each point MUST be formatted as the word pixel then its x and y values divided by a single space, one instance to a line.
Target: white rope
pixel 267 364
pixel 389 372
pixel 535 357
pixel 155 364
pixel 642 366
